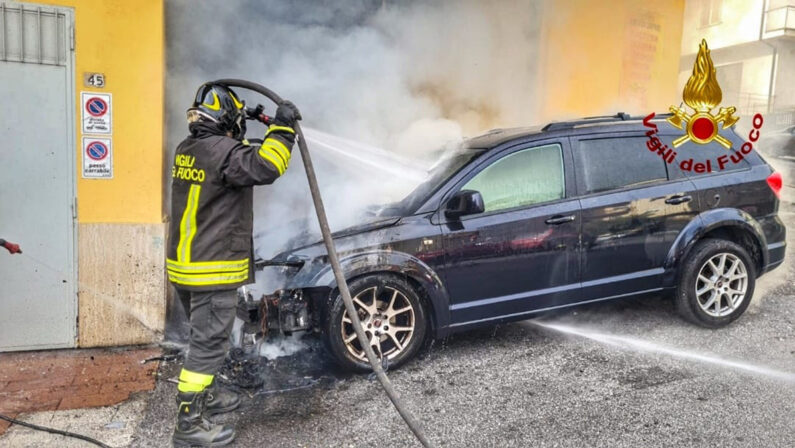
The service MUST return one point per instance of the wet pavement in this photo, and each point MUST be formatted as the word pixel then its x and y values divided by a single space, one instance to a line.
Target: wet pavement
pixel 522 385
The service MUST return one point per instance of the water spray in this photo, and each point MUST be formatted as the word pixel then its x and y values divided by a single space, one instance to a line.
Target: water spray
pixel 320 210
pixel 379 158
pixel 395 167
pixel 647 346
pixel 124 308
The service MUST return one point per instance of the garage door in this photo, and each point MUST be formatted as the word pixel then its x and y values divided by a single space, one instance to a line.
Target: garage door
pixel 38 299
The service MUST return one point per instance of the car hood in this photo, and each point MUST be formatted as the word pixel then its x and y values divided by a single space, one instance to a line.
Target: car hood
pixel 309 246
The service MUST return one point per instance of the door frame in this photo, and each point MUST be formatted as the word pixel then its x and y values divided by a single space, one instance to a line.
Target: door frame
pixel 71 92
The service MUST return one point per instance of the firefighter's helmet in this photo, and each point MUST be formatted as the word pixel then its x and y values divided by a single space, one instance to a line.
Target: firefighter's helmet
pixel 219 104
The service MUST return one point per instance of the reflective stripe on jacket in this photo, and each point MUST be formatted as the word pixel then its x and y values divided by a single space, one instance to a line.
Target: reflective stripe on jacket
pixel 210 244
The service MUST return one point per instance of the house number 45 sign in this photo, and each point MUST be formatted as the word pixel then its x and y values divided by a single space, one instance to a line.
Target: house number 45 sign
pixel 94 80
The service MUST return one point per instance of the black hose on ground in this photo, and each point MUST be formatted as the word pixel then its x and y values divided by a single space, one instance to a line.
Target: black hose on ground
pixel 412 422
pixel 53 431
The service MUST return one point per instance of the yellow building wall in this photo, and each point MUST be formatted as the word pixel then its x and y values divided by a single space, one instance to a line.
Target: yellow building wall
pixel 609 56
pixel 125 41
pixel 121 234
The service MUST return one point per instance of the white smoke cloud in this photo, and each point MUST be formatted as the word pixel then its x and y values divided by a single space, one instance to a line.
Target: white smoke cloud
pixel 405 76
pixel 282 346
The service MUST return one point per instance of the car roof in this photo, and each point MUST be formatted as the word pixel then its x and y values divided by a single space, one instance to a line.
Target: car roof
pixel 614 123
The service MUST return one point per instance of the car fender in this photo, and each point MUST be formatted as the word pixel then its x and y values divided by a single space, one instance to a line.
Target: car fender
pixel 703 224
pixel 356 265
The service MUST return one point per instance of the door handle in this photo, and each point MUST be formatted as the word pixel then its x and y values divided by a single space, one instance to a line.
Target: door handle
pixel 559 219
pixel 679 199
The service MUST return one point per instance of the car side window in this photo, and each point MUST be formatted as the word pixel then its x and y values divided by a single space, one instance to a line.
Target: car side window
pixel 525 177
pixel 605 164
pixel 691 153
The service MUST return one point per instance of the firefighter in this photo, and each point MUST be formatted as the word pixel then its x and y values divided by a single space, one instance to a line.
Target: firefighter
pixel 210 243
pixel 10 247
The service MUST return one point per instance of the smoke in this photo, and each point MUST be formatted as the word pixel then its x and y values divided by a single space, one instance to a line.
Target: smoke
pixel 282 346
pixel 396 77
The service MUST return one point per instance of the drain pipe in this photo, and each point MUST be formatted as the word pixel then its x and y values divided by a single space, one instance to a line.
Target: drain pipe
pixel 774 61
pixel 412 422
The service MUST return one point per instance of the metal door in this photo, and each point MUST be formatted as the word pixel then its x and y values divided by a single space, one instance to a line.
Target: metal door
pixel 38 299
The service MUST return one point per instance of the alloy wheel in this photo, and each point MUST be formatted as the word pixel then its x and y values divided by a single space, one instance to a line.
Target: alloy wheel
pixel 388 319
pixel 721 284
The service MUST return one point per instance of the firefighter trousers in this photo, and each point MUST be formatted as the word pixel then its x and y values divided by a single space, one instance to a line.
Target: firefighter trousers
pixel 211 315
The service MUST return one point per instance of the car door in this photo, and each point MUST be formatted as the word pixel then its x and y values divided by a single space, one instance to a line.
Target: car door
pixel 631 213
pixel 520 254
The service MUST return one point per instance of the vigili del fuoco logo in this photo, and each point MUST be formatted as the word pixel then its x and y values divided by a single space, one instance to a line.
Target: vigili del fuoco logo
pixel 702 94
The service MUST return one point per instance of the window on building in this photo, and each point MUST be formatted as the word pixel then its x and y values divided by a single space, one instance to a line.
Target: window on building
pixel 609 163
pixel 526 177
pixel 711 12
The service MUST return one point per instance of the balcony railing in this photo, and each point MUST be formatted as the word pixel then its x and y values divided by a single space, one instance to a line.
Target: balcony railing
pixel 780 19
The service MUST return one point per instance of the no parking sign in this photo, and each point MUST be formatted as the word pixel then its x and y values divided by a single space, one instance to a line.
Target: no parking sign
pixel 97 158
pixel 96 112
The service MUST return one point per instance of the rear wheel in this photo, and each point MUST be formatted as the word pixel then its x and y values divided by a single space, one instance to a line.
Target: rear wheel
pixel 716 284
pixel 392 316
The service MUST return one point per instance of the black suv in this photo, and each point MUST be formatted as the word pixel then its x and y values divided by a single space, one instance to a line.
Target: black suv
pixel 521 221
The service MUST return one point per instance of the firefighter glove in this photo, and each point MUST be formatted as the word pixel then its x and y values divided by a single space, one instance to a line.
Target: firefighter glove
pixel 12 248
pixel 287 114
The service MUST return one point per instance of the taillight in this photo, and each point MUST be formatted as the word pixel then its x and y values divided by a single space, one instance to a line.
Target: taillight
pixel 774 182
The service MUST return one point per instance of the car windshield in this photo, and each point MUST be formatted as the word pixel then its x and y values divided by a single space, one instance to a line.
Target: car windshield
pixel 450 162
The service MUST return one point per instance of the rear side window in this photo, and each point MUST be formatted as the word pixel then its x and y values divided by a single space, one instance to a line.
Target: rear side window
pixel 690 153
pixel 526 177
pixel 609 163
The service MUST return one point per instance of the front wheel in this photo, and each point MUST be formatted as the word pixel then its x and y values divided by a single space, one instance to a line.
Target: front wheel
pixel 716 284
pixel 392 316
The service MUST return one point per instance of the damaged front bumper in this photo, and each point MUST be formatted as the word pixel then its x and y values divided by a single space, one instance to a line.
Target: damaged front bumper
pixel 284 311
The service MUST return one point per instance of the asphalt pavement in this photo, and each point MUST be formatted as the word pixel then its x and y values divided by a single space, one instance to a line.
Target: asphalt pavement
pixel 521 385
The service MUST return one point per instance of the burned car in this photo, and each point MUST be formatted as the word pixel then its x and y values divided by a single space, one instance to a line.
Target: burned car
pixel 521 221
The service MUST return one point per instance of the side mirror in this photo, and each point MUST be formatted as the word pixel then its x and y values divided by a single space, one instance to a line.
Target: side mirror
pixel 465 202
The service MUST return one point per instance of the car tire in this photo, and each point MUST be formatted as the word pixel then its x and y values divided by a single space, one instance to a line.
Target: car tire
pixel 716 283
pixel 391 294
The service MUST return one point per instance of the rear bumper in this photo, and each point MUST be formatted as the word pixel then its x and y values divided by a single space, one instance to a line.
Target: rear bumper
pixel 775 255
pixel 775 233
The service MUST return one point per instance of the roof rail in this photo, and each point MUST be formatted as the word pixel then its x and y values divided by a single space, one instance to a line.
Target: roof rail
pixel 558 125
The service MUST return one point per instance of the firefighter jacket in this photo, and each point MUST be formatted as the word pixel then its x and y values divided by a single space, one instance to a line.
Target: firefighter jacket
pixel 210 244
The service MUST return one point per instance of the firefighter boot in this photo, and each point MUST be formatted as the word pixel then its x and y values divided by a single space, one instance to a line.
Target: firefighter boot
pixel 220 400
pixel 193 429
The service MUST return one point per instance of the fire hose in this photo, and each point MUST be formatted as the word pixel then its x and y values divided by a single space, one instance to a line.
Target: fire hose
pixel 342 285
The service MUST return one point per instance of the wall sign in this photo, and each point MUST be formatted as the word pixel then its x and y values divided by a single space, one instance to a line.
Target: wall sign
pixel 94 80
pixel 97 158
pixel 97 113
